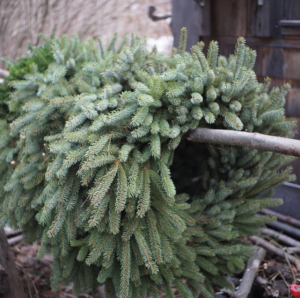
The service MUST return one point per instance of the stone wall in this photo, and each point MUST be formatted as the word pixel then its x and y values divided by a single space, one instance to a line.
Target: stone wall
pixel 21 21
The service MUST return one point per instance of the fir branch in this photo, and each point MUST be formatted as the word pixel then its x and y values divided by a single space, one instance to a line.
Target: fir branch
pixel 121 189
pixel 146 254
pixel 144 201
pixel 89 161
pixel 103 184
pixel 166 179
pixel 125 272
pixel 182 41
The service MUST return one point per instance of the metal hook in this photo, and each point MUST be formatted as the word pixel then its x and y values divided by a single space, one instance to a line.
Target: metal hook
pixel 201 3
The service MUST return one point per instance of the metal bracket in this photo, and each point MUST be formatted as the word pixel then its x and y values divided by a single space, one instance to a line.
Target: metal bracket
pixel 260 2
pixel 201 3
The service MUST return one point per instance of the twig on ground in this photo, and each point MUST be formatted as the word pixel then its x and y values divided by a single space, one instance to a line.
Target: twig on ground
pixel 262 281
pixel 250 273
pixel 284 218
pixel 292 250
pixel 246 139
pixel 286 283
pixel 14 240
pixel 272 241
pixel 271 248
pixel 290 230
pixel 293 273
pixel 283 238
pixel 28 286
pixel 9 232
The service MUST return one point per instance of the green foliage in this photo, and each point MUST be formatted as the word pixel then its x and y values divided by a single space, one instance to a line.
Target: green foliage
pixel 88 165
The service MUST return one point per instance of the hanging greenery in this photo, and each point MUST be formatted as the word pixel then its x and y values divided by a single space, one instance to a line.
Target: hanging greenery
pixel 94 164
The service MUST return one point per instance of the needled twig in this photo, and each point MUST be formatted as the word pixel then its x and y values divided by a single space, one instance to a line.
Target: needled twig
pixel 246 139
pixel 270 247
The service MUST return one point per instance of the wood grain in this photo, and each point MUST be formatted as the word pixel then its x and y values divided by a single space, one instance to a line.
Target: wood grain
pixel 11 284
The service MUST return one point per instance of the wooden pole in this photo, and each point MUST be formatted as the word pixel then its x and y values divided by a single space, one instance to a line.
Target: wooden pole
pixel 10 282
pixel 246 139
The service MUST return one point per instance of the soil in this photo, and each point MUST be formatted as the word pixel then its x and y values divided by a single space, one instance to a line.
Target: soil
pixel 275 276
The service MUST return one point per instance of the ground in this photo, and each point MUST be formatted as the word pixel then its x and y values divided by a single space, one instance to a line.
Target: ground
pixel 275 274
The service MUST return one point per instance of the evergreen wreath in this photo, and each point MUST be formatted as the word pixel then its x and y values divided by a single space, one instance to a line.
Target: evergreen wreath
pixel 89 166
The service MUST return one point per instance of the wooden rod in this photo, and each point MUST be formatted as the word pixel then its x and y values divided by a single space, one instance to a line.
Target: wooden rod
pixel 246 139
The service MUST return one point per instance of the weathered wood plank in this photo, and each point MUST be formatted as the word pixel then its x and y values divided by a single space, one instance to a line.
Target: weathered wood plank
pixel 296 163
pixel 229 18
pixel 14 289
pixel 293 103
pixel 194 17
pixel 292 63
pixel 291 10
pixel 290 28
pixel 264 19
pixel 275 58
pixel 278 62
pixel 290 43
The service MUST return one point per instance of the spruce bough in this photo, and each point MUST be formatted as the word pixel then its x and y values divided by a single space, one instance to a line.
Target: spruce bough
pixel 91 170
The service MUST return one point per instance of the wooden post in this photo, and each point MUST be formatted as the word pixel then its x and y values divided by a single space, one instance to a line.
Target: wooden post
pixel 10 282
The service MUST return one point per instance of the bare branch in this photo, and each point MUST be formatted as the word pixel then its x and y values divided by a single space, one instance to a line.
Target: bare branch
pixel 246 139
pixel 250 273
pixel 290 230
pixel 9 232
pixel 283 238
pixel 270 247
pixel 292 250
pixel 15 240
pixel 285 218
